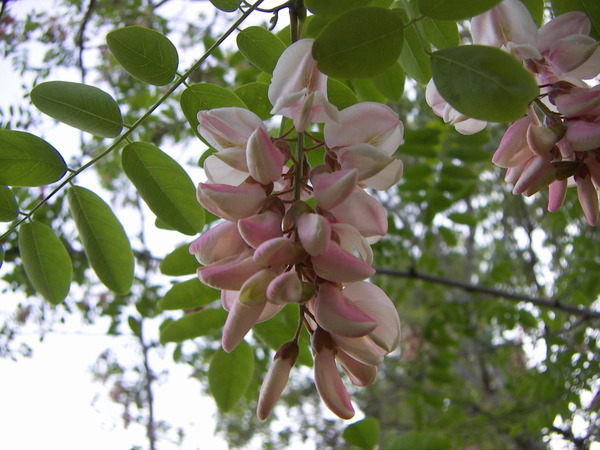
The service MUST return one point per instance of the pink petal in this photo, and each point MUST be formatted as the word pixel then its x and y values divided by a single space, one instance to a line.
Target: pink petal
pixel 389 176
pixel 279 251
pixel 353 242
pixel 513 141
pixel 265 160
pixel 556 195
pixel 276 378
pixel 366 158
pixel 542 139
pixel 568 24
pixel 509 21
pixel 239 321
pixel 330 189
pixel 327 378
pixel 254 290
pixel 364 213
pixel 577 101
pixel 261 227
pixel 339 316
pixel 360 374
pixel 337 265
pixel 362 349
pixel 227 127
pixel 588 198
pixel 218 172
pixel 369 123
pixel 231 202
pixel 285 288
pixel 582 135
pixel 229 273
pixel 571 52
pixel 314 232
pixel 537 174
pixel 373 301
pixel 221 241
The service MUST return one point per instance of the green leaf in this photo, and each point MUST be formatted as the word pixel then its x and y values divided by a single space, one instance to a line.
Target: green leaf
pixel 536 9
pixel 104 240
pixel 454 9
pixel 441 33
pixel 413 58
pixel 27 160
pixel 255 96
pixel 135 326
pixel 420 440
pixel 202 96
pixel 391 83
pixel 483 82
pixel 590 7
pixel 164 185
pixel 187 295
pixel 46 261
pixel 199 323
pixel 463 219
pixel 366 91
pixel 9 209
pixel 360 43
pixel 226 5
pixel 363 434
pixel 146 54
pixel 79 105
pixel 339 94
pixel 260 47
pixel 332 8
pixel 179 262
pixel 229 375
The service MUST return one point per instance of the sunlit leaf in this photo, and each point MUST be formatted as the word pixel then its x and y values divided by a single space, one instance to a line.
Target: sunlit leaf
pixel 363 434
pixel 204 96
pixel 199 323
pixel 164 185
pixel 179 262
pixel 82 106
pixel 483 82
pixel 46 261
pixel 360 43
pixel 226 5
pixel 454 9
pixel 27 160
pixel 104 240
pixel 146 54
pixel 261 47
pixel 255 96
pixel 187 295
pixel 229 375
pixel 9 209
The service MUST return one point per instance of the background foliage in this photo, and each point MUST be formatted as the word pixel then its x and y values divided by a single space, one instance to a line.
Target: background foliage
pixel 510 366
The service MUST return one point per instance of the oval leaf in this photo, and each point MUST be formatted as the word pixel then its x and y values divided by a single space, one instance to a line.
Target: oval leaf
pixel 203 96
pixel 483 82
pixel 104 240
pixel 46 261
pixel 339 94
pixel 260 47
pixel 255 96
pixel 363 434
pixel 187 295
pixel 226 5
pixel 164 185
pixel 361 43
pixel 391 83
pixel 27 160
pixel 9 209
pixel 413 57
pixel 454 9
pixel 193 325
pixel 79 105
pixel 441 33
pixel 332 8
pixel 229 375
pixel 146 54
pixel 179 262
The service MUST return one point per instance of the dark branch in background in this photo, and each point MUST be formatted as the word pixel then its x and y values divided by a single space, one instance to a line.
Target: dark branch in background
pixel 469 287
pixel 80 38
pixel 149 378
pixel 3 8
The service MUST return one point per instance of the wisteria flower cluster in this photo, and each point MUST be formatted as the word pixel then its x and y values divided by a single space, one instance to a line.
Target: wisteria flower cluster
pixel 297 234
pixel 558 142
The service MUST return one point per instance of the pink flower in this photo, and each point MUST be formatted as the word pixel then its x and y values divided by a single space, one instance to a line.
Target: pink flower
pixel 298 90
pixel 231 202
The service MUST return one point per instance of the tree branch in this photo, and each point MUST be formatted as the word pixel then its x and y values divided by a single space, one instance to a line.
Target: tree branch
pixel 80 38
pixel 470 287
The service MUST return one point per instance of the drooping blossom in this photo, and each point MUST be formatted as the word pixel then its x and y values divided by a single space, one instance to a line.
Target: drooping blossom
pixel 273 249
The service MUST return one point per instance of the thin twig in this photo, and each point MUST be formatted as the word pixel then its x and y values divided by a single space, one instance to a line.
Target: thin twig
pixel 470 287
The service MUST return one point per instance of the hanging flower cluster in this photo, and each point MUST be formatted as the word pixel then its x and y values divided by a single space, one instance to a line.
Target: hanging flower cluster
pixel 564 146
pixel 298 234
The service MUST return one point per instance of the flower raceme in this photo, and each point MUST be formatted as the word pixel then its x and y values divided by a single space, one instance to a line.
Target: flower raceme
pixel 563 147
pixel 297 234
